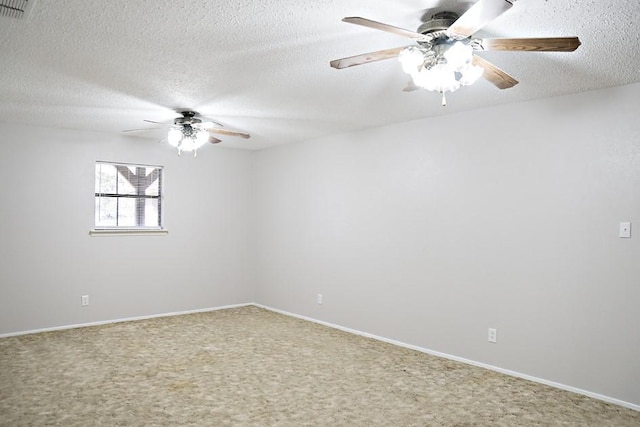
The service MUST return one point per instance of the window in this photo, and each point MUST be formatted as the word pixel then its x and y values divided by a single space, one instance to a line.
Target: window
pixel 128 197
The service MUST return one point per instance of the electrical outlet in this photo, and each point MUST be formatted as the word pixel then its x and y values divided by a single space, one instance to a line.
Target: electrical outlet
pixel 493 335
pixel 84 300
pixel 319 299
pixel 625 230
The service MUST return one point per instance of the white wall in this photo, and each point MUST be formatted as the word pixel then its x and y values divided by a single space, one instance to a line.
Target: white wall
pixel 432 231
pixel 48 260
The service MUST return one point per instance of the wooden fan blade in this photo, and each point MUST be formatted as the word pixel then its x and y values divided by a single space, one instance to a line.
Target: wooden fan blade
pixel 382 27
pixel 478 15
pixel 223 131
pixel 542 44
pixel 365 58
pixel 214 140
pixel 494 74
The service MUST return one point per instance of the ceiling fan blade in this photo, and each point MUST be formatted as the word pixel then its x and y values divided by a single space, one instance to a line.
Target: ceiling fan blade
pixel 478 15
pixel 223 131
pixel 365 58
pixel 138 130
pixel 382 27
pixel 210 123
pixel 542 44
pixel 213 140
pixel 494 74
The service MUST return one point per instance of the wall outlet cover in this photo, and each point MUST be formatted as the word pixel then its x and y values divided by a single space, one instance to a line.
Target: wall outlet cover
pixel 625 230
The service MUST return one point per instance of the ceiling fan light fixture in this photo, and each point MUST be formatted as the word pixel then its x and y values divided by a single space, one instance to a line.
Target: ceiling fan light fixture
pixel 187 138
pixel 443 67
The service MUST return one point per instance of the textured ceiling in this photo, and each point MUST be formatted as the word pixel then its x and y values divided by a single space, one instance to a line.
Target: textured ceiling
pixel 263 66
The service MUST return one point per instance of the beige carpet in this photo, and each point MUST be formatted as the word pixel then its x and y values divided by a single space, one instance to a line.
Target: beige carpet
pixel 251 367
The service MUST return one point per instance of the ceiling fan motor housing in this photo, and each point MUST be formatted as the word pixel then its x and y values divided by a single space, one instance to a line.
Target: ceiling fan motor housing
pixel 435 29
pixel 438 22
pixel 188 118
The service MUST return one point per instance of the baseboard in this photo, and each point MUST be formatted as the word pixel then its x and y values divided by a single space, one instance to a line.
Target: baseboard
pixel 128 319
pixel 462 360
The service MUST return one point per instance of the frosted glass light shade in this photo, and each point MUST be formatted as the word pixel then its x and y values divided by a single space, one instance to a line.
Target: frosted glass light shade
pixel 439 78
pixel 196 140
pixel 411 59
pixel 174 137
pixel 459 56
pixel 471 74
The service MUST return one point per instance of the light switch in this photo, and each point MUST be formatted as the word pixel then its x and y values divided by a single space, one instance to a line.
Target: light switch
pixel 625 230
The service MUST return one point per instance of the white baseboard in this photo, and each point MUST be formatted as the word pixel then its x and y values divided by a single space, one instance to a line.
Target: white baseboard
pixel 127 319
pixel 462 360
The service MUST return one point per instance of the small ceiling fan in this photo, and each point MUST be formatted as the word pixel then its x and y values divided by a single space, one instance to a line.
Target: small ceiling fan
pixel 188 132
pixel 443 59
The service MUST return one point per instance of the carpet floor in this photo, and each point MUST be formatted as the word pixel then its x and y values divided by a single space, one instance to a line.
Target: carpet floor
pixel 251 367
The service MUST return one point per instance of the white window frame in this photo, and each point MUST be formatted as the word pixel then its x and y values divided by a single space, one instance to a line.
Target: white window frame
pixel 100 230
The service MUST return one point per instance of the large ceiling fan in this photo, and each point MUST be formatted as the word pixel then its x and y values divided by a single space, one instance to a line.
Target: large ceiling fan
pixel 188 132
pixel 443 59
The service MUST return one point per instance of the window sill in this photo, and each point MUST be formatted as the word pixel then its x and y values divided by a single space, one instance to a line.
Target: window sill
pixel 127 232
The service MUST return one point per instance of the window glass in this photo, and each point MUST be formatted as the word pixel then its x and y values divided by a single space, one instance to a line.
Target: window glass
pixel 128 196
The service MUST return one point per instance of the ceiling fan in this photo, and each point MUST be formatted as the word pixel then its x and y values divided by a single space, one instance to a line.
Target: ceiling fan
pixel 443 59
pixel 188 132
